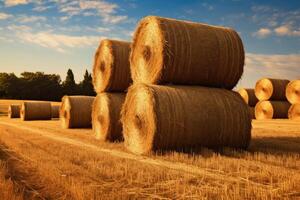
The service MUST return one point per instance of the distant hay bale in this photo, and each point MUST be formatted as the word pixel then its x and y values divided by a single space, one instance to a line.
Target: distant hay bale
pixel 55 111
pixel 35 111
pixel 179 117
pixel 111 71
pixel 76 111
pixel 293 92
pixel 252 112
pixel 272 110
pixel 172 51
pixel 249 96
pixel 106 116
pixel 14 111
pixel 271 89
pixel 294 112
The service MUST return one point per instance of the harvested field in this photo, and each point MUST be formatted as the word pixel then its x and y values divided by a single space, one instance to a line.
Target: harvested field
pixel 71 164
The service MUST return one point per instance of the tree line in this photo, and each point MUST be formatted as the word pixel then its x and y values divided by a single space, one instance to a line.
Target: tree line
pixel 41 86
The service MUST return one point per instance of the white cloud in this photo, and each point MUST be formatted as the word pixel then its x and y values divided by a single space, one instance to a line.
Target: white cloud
pixel 41 8
pixel 272 66
pixel 18 28
pixel 4 16
pixel 59 42
pixel 262 32
pixel 287 30
pixel 27 19
pixel 9 3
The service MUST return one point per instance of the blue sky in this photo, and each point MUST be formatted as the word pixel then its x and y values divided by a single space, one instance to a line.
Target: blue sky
pixel 54 35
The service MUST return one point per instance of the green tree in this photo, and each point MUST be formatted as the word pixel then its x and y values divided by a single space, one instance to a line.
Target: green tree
pixel 86 85
pixel 10 86
pixel 69 85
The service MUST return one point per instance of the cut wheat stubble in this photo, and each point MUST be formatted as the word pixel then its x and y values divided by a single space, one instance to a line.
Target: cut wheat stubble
pixel 171 51
pixel 111 70
pixel 183 117
pixel 106 116
pixel 76 111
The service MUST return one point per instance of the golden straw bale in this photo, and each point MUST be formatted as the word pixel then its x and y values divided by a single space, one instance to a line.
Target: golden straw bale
pixel 252 112
pixel 294 112
pixel 178 117
pixel 76 111
pixel 172 51
pixel 35 111
pixel 14 111
pixel 106 116
pixel 249 96
pixel 111 71
pixel 55 111
pixel 272 110
pixel 271 89
pixel 293 92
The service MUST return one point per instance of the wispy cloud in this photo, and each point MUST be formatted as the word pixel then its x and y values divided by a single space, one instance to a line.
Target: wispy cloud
pixel 4 16
pixel 287 30
pixel 30 19
pixel 58 42
pixel 262 33
pixel 9 3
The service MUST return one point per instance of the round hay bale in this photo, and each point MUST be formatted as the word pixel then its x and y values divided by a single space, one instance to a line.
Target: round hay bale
pixel 183 117
pixel 249 96
pixel 55 111
pixel 293 92
pixel 181 52
pixel 76 111
pixel 14 111
pixel 111 71
pixel 35 111
pixel 272 110
pixel 106 116
pixel 271 89
pixel 294 112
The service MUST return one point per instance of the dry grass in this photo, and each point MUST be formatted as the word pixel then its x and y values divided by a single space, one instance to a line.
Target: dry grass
pixel 51 166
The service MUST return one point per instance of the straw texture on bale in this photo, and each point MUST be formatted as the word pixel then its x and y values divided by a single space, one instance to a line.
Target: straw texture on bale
pixel 179 117
pixel 293 92
pixel 171 51
pixel 107 115
pixel 249 96
pixel 76 111
pixel 55 111
pixel 35 111
pixel 14 111
pixel 111 71
pixel 271 89
pixel 294 112
pixel 272 110
pixel 252 112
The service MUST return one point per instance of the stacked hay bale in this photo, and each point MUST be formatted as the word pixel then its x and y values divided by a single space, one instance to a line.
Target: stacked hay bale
pixel 249 97
pixel 111 77
pixel 35 111
pixel 75 111
pixel 14 111
pixel 293 96
pixel 272 99
pixel 204 63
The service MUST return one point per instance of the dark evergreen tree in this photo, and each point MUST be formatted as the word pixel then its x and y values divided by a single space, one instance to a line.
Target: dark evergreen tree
pixel 86 85
pixel 69 85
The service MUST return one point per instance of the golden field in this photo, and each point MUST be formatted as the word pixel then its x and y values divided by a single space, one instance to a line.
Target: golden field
pixel 39 160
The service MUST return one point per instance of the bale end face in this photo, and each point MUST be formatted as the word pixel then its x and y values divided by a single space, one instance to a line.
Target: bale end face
pixel 293 92
pixel 14 111
pixel 294 112
pixel 271 89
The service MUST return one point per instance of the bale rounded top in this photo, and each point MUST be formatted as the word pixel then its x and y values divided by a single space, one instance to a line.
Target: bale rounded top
pixel 248 95
pixel 173 51
pixel 293 92
pixel 271 89
pixel 111 70
pixel 294 112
